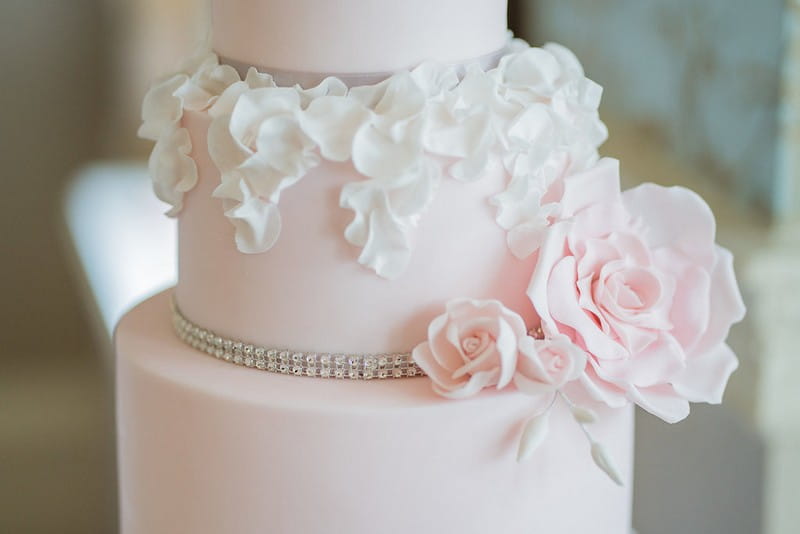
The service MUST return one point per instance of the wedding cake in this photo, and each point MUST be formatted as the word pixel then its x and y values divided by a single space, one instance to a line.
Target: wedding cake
pixel 412 298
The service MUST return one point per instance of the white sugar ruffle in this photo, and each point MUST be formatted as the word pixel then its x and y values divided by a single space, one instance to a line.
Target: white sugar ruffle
pixel 535 114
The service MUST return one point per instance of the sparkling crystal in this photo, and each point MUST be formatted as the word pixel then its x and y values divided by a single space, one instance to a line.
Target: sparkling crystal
pixel 218 353
pixel 218 341
pixel 339 373
pixel 412 371
pixel 297 357
pixel 311 371
pixel 339 359
pixel 227 356
pixel 284 356
pixel 382 361
pixel 248 350
pixel 283 368
pixel 383 373
pixel 227 344
pixel 237 346
pixel 369 373
pixel 272 355
pixel 271 366
pixel 353 373
pixel 353 361
pixel 399 360
pixel 249 361
pixel 397 373
pixel 325 360
pixel 370 363
pixel 261 364
pixel 237 359
pixel 325 372
pixel 260 353
pixel 297 370
pixel 311 359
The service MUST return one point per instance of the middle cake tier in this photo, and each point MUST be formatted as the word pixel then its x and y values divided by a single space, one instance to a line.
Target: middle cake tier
pixel 309 292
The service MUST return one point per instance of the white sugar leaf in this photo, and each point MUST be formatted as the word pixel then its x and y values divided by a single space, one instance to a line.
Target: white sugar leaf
pixel 604 462
pixel 533 435
pixel 583 415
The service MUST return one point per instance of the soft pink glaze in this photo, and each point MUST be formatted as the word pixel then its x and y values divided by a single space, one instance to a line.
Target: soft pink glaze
pixel 355 35
pixel 207 447
pixel 309 293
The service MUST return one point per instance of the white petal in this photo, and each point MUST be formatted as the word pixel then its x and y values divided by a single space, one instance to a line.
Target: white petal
pixel 533 435
pixel 583 415
pixel 332 122
pixel 603 461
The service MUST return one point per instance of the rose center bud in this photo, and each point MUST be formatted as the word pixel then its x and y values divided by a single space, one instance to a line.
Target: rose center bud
pixel 636 288
pixel 557 363
pixel 471 345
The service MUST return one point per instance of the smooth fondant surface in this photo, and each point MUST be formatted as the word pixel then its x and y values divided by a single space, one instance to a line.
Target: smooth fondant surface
pixel 355 35
pixel 208 447
pixel 309 293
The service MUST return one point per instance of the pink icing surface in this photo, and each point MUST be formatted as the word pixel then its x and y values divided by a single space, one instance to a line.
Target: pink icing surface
pixel 309 293
pixel 355 35
pixel 208 447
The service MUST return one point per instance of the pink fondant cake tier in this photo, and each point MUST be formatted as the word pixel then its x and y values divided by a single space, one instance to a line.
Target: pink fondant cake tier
pixel 208 447
pixel 355 35
pixel 308 291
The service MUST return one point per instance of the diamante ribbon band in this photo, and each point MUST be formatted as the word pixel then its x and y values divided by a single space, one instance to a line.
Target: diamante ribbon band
pixel 291 362
pixel 288 78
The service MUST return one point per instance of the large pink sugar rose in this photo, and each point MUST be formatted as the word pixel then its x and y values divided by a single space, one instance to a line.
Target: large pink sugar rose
pixel 640 285
pixel 474 345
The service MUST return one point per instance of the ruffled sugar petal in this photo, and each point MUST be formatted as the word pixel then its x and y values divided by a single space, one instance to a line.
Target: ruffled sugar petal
pixel 507 347
pixel 691 233
pixel 471 387
pixel 727 306
pixel 564 56
pixel 332 122
pixel 534 69
pixel 597 389
pixel 446 348
pixel 172 169
pixel 706 375
pixel 550 252
pixel 661 401
pixel 597 184
pixel 283 145
pixel 226 153
pixel 377 155
pixel 565 310
pixel 383 235
pixel 425 357
pixel 257 223
pixel 206 85
pixel 663 360
pixel 161 109
pixel 433 78
pixel 691 306
pixel 330 86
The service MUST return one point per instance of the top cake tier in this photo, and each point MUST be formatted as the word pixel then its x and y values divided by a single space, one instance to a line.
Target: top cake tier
pixel 355 35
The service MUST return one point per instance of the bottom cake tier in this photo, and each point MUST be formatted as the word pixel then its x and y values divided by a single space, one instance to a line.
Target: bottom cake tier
pixel 208 447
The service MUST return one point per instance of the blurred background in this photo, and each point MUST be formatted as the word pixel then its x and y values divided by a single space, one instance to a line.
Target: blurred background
pixel 704 93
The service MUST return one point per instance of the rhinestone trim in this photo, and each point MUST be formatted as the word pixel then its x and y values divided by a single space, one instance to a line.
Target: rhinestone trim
pixel 292 362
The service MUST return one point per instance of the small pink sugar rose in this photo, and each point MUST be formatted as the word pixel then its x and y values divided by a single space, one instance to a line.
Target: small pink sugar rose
pixel 552 363
pixel 475 344
pixel 640 285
